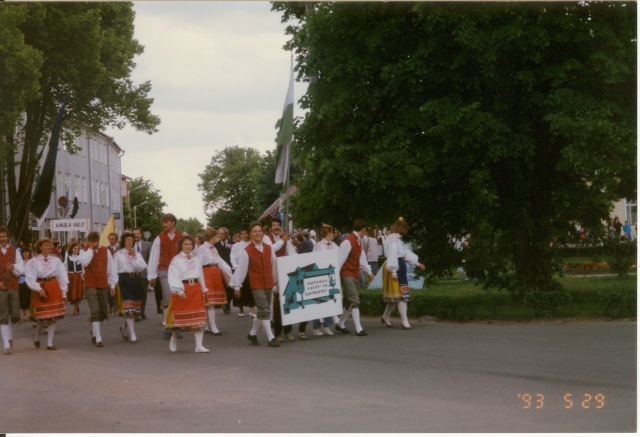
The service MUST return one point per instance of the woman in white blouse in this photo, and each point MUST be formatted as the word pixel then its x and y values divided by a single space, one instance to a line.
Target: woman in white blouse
pixel 47 278
pixel 75 273
pixel 129 264
pixel 323 327
pixel 186 311
pixel 215 272
pixel 394 275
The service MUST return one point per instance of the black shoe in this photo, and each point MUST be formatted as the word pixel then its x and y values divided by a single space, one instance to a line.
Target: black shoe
pixel 217 334
pixel 143 317
pixel 226 311
pixel 137 319
pixel 343 330
pixel 179 334
pixel 160 311
pixel 362 333
pixel 253 339
pixel 274 343
pixel 167 335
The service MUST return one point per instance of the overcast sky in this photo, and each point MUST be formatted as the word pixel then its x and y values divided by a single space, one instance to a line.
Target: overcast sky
pixel 219 78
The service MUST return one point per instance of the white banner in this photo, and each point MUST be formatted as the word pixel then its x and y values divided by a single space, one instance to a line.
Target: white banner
pixel 309 286
pixel 81 225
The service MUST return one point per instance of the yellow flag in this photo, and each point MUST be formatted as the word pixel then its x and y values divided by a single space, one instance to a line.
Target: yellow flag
pixel 111 227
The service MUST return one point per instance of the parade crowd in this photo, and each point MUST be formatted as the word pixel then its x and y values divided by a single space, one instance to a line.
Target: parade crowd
pixel 193 277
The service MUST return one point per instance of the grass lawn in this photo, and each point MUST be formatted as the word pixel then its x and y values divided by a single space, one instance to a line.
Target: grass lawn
pixel 591 297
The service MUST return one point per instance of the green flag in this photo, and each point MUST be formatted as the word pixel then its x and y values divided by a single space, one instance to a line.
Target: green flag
pixel 285 134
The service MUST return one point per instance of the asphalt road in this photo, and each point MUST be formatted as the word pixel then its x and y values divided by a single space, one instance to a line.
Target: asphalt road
pixel 438 378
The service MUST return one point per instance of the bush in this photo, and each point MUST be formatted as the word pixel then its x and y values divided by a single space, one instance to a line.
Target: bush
pixel 621 255
pixel 618 305
pixel 546 303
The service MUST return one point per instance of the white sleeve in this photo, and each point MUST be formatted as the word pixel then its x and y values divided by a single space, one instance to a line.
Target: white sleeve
pixel 63 278
pixel 175 281
pixel 364 264
pixel 18 265
pixel 274 267
pixel 138 263
pixel 154 259
pixel 391 250
pixel 241 271
pixel 343 252
pixel 31 275
pixel 235 254
pixel 112 272
pixel 85 257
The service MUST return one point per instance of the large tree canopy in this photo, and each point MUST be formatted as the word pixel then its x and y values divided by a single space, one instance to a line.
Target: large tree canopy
pixel 517 118
pixel 85 50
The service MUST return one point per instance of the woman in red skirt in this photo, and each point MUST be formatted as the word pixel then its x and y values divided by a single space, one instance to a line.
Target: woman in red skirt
pixel 216 272
pixel 47 278
pixel 75 273
pixel 186 311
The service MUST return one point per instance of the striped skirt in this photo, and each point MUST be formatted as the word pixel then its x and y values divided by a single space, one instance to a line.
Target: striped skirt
pixel 216 295
pixel 188 314
pixel 51 308
pixel 129 303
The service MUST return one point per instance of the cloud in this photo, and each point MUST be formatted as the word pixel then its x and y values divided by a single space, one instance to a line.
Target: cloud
pixel 219 78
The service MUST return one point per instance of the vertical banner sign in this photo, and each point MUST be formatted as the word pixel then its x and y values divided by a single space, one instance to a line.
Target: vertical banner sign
pixel 309 286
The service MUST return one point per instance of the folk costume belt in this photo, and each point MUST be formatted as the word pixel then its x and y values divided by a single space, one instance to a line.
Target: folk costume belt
pixel 45 279
pixel 190 281
pixel 210 265
pixel 131 274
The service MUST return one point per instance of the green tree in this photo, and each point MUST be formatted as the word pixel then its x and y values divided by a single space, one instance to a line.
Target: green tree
pixel 191 226
pixel 520 118
pixel 268 191
pixel 148 205
pixel 87 50
pixel 229 187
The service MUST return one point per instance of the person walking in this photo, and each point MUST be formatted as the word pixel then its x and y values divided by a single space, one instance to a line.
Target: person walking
pixel 144 248
pixel 129 263
pixel 24 291
pixel 186 309
pixel 100 280
pixel 11 268
pixel 46 277
pixel 258 261
pixel 75 272
pixel 326 243
pixel 224 246
pixel 394 274
pixel 351 259
pixel 246 295
pixel 216 273
pixel 164 248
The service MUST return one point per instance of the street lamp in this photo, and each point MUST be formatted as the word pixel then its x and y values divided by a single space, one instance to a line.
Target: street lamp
pixel 135 218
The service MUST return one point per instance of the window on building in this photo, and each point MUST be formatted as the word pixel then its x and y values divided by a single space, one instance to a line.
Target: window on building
pixel 84 190
pixel 632 211
pixel 59 184
pixel 67 185
pixel 76 187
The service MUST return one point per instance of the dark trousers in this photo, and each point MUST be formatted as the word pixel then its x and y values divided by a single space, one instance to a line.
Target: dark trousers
pixel 143 301
pixel 158 292
pixel 229 292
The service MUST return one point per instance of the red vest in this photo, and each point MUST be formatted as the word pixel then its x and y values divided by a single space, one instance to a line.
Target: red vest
pixel 283 250
pixel 351 266
pixel 95 274
pixel 12 280
pixel 260 268
pixel 168 249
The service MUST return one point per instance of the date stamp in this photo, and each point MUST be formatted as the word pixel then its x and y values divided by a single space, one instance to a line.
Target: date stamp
pixel 585 401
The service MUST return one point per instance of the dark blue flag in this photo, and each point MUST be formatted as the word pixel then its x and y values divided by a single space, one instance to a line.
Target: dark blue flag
pixel 42 192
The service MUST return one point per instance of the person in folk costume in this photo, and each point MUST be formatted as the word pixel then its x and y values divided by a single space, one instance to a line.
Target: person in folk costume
pixel 11 268
pixel 351 260
pixel 326 243
pixel 246 295
pixel 75 273
pixel 129 263
pixel 186 310
pixel 258 261
pixel 394 274
pixel 24 291
pixel 163 249
pixel 47 278
pixel 217 274
pixel 281 244
pixel 115 302
pixel 100 280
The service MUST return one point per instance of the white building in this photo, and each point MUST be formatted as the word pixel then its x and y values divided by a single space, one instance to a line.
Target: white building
pixel 93 174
